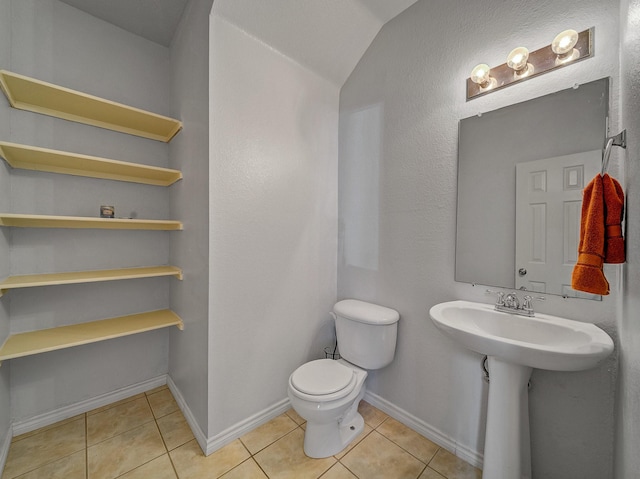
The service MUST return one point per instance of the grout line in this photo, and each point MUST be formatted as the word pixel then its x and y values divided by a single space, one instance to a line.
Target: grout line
pixel 86 445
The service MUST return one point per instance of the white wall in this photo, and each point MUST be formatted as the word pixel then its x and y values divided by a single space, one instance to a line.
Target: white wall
pixel 399 114
pixel 54 42
pixel 273 222
pixel 628 404
pixel 189 152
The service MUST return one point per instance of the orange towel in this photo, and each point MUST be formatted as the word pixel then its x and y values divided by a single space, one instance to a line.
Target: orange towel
pixel 587 273
pixel 614 208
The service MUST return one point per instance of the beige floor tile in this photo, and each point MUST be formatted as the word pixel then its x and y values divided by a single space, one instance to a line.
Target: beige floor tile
pixel 191 463
pixel 268 433
pixel 70 467
pixel 378 458
pixel 295 416
pixel 155 390
pixel 125 452
pixel 45 447
pixel 46 428
pixel 365 432
pixel 175 430
pixel 162 403
pixel 285 459
pixel 409 440
pixel 372 416
pixel 117 403
pixel 159 468
pixel 452 467
pixel 249 469
pixel 118 419
pixel 338 471
pixel 431 474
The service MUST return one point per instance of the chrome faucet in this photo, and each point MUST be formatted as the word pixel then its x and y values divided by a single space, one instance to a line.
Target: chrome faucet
pixel 510 303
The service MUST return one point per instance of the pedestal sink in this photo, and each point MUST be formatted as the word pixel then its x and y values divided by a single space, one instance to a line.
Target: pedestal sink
pixel 515 345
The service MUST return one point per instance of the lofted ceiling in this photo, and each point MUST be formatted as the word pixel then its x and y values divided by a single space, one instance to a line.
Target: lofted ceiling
pixel 155 20
pixel 327 36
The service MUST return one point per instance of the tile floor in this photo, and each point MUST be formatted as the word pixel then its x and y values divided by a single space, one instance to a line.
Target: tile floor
pixel 146 437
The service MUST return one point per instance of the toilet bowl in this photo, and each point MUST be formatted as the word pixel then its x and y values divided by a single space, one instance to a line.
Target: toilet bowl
pixel 326 393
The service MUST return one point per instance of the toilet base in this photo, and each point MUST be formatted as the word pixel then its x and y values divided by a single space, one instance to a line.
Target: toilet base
pixel 324 440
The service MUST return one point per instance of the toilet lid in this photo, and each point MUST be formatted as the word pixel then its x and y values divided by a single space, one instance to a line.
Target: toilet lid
pixel 323 376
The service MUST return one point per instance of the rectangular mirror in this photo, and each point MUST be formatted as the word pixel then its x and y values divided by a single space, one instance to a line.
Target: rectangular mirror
pixel 521 171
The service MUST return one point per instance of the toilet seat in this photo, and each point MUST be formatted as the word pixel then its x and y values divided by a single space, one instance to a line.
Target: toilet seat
pixel 323 380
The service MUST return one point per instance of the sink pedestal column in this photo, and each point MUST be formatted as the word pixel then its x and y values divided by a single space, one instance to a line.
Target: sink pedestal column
pixel 507 451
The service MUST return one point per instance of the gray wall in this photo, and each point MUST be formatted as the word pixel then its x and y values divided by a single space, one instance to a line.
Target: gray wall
pixel 628 404
pixel 5 44
pixel 399 114
pixel 54 42
pixel 189 151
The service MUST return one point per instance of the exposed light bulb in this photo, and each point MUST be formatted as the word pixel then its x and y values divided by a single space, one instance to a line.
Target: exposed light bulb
pixel 517 61
pixel 564 42
pixel 481 75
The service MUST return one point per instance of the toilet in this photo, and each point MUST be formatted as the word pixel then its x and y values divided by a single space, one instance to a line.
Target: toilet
pixel 327 392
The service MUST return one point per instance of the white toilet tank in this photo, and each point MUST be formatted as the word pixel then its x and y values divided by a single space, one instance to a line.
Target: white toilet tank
pixel 366 333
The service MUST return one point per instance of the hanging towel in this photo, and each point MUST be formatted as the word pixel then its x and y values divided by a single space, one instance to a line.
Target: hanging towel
pixel 587 273
pixel 614 208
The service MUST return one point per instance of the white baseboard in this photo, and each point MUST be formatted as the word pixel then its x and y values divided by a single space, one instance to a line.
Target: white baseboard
pixel 4 448
pixel 198 433
pixel 463 452
pixel 212 444
pixel 41 420
pixel 241 428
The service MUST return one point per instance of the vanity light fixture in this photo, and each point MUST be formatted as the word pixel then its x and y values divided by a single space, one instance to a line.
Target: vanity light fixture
pixel 567 47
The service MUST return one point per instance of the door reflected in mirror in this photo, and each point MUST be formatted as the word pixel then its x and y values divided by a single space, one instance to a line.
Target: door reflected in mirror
pixel 521 172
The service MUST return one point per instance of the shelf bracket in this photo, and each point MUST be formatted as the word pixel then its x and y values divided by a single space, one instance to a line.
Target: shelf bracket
pixel 180 325
pixel 2 292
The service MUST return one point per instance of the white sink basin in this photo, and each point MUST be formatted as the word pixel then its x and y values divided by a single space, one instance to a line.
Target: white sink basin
pixel 515 345
pixel 544 341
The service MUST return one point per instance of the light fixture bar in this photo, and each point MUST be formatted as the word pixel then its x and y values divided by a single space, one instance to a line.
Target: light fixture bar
pixel 541 61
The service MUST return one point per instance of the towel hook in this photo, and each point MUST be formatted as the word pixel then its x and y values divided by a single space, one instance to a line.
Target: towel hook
pixel 619 140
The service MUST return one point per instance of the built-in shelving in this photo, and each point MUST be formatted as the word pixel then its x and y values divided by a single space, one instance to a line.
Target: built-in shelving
pixel 54 161
pixel 48 99
pixel 75 277
pixel 29 94
pixel 46 221
pixel 44 340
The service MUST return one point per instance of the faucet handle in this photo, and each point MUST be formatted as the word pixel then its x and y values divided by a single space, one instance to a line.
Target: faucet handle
pixel 528 299
pixel 500 296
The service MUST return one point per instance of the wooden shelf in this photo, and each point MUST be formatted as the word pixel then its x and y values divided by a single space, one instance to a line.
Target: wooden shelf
pixel 54 279
pixel 45 221
pixel 55 161
pixel 35 342
pixel 29 94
